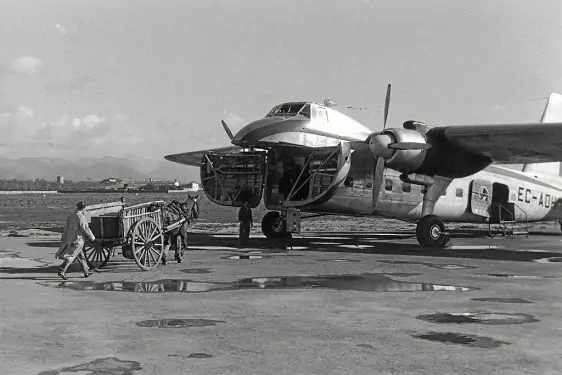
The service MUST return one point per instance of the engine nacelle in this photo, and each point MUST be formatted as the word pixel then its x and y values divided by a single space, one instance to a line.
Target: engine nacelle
pixel 405 161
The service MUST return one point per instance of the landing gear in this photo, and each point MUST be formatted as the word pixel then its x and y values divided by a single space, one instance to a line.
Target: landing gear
pixel 273 225
pixel 430 231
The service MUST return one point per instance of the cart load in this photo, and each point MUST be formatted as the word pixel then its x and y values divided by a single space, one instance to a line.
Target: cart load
pixel 140 230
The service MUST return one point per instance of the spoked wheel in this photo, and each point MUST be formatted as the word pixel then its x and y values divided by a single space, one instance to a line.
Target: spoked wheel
pixel 147 243
pixel 97 255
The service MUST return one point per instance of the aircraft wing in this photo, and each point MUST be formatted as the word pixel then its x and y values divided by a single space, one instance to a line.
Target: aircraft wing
pixel 504 144
pixel 194 158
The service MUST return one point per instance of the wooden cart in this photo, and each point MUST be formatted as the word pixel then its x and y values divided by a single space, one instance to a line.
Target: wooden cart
pixel 137 229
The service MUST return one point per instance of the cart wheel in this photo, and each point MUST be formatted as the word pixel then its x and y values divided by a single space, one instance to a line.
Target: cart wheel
pixel 97 255
pixel 147 243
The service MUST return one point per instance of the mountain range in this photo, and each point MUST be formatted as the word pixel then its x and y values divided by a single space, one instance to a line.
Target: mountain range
pixel 97 169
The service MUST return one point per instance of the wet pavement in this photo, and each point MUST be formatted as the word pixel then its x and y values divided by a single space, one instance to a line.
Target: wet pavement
pixel 432 265
pixel 461 339
pixel 102 366
pixel 501 300
pixel 479 317
pixel 337 303
pixel 178 323
pixel 362 283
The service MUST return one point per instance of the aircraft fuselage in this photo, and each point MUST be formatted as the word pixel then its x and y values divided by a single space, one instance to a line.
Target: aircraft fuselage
pixel 533 198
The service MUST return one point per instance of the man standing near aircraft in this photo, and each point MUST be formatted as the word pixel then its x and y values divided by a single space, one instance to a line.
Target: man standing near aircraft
pixel 72 241
pixel 246 221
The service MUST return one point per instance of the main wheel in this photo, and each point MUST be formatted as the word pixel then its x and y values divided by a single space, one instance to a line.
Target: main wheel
pixel 429 231
pixel 273 226
pixel 147 243
pixel 97 255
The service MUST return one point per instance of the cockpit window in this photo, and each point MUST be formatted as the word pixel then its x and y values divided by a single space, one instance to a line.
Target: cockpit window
pixel 305 111
pixel 290 109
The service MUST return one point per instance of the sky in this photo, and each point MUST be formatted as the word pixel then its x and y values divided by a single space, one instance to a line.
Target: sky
pixel 149 78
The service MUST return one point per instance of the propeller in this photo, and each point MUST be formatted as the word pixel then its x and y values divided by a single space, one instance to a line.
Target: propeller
pixel 386 106
pixel 227 130
pixel 378 170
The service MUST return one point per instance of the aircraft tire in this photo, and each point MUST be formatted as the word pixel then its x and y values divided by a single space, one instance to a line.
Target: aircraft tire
pixel 272 226
pixel 429 231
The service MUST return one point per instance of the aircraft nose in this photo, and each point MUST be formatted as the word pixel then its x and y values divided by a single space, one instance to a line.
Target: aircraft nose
pixel 252 133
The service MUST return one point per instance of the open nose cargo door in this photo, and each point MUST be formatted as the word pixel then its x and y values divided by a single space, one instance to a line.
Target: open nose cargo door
pixel 231 179
pixel 324 171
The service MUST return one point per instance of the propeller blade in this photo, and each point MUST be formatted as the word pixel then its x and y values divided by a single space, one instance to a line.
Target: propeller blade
pixel 409 146
pixel 227 130
pixel 378 174
pixel 386 106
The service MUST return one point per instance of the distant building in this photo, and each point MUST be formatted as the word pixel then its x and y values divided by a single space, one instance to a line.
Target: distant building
pixel 60 180
pixel 192 186
pixel 111 180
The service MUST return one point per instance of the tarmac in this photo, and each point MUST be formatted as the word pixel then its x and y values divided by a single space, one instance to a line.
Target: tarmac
pixel 336 303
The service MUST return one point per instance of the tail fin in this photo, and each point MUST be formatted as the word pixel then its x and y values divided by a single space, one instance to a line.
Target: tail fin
pixel 552 113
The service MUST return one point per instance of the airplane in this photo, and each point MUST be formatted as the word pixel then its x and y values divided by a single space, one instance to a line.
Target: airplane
pixel 307 157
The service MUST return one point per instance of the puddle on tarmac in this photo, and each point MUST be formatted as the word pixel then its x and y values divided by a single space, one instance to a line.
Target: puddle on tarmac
pixel 366 346
pixel 355 246
pixel 528 277
pixel 13 261
pixel 330 238
pixel 549 260
pixel 482 318
pixel 219 248
pixel 100 366
pixel 460 339
pixel 246 256
pixel 196 270
pixel 250 256
pixel 367 282
pixel 432 265
pixel 500 300
pixel 473 247
pixel 199 355
pixel 178 323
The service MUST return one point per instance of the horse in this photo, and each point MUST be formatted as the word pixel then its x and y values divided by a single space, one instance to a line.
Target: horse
pixel 174 212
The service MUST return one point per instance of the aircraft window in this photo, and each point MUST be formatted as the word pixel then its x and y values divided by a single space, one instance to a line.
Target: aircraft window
pixel 406 187
pixel 459 193
pixel 287 109
pixel 320 113
pixel 305 111
pixel 388 185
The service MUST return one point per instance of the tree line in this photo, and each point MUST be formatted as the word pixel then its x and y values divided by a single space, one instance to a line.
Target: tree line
pixel 69 185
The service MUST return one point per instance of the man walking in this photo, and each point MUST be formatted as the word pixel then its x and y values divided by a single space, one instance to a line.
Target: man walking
pixel 246 221
pixel 72 241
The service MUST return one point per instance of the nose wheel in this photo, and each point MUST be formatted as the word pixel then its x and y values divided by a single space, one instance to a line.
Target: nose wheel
pixel 274 226
pixel 430 231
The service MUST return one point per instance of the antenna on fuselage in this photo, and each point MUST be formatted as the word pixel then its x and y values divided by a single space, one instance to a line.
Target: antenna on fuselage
pixel 329 103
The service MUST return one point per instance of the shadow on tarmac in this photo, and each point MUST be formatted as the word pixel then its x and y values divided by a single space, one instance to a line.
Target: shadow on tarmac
pixel 380 243
pixel 388 243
